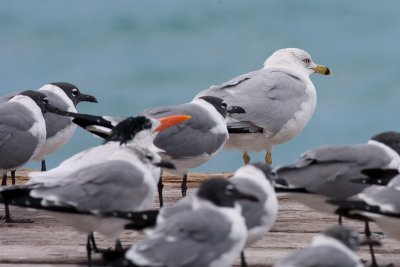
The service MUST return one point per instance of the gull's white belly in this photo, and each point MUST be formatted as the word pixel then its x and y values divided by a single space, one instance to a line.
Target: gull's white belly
pixel 261 141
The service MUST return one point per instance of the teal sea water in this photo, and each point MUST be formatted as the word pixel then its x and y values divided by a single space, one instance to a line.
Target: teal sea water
pixel 138 54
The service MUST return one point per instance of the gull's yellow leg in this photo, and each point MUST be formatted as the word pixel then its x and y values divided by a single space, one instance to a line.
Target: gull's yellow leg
pixel 268 157
pixel 246 158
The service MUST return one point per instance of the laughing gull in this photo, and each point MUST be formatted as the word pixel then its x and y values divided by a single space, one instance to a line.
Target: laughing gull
pixel 193 143
pixel 59 130
pixel 114 176
pixel 211 234
pixel 330 172
pixel 23 132
pixel 186 145
pixel 334 247
pixel 279 100
pixel 257 179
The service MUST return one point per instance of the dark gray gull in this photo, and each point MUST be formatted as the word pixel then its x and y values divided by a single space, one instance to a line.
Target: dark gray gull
pixel 278 100
pixel 334 247
pixel 212 234
pixel 117 175
pixel 22 132
pixel 186 145
pixel 330 172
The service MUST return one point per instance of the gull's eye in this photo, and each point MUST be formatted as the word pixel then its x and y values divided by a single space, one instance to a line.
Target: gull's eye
pixel 75 92
pixel 45 100
pixel 307 60
pixel 149 157
pixel 224 105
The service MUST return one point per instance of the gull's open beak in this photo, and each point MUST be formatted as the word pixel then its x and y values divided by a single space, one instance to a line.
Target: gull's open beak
pixel 170 121
pixel 321 69
pixel 86 98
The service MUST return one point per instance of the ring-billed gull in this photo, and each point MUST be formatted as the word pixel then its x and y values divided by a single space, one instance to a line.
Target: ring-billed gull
pixel 278 100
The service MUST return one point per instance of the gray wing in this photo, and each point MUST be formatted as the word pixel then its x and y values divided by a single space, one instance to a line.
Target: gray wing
pixel 55 123
pixel 323 256
pixel 105 187
pixel 329 170
pixel 387 198
pixel 184 204
pixel 17 145
pixel 270 99
pixel 190 138
pixel 190 239
pixel 253 212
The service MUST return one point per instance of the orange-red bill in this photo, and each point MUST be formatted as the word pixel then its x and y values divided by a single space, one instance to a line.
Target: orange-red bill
pixel 169 121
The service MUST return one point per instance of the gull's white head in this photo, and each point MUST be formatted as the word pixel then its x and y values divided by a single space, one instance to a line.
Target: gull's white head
pixel 295 59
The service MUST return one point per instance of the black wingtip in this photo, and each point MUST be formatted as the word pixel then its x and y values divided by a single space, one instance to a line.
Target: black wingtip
pixel 346 208
pixel 235 110
pixel 86 121
pixel 377 176
pixel 284 189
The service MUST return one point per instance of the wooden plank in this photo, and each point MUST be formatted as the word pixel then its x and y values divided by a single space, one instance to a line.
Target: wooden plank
pixel 47 242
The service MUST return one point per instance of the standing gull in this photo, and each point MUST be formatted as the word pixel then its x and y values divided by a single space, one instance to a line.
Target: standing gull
pixel 114 176
pixel 334 247
pixel 59 130
pixel 257 179
pixel 22 132
pixel 278 100
pixel 329 172
pixel 211 234
pixel 196 141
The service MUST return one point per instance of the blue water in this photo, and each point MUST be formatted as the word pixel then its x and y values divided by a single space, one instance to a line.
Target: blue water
pixel 138 54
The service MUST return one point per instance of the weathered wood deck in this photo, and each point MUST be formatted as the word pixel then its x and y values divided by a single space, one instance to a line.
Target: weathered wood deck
pixel 47 242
